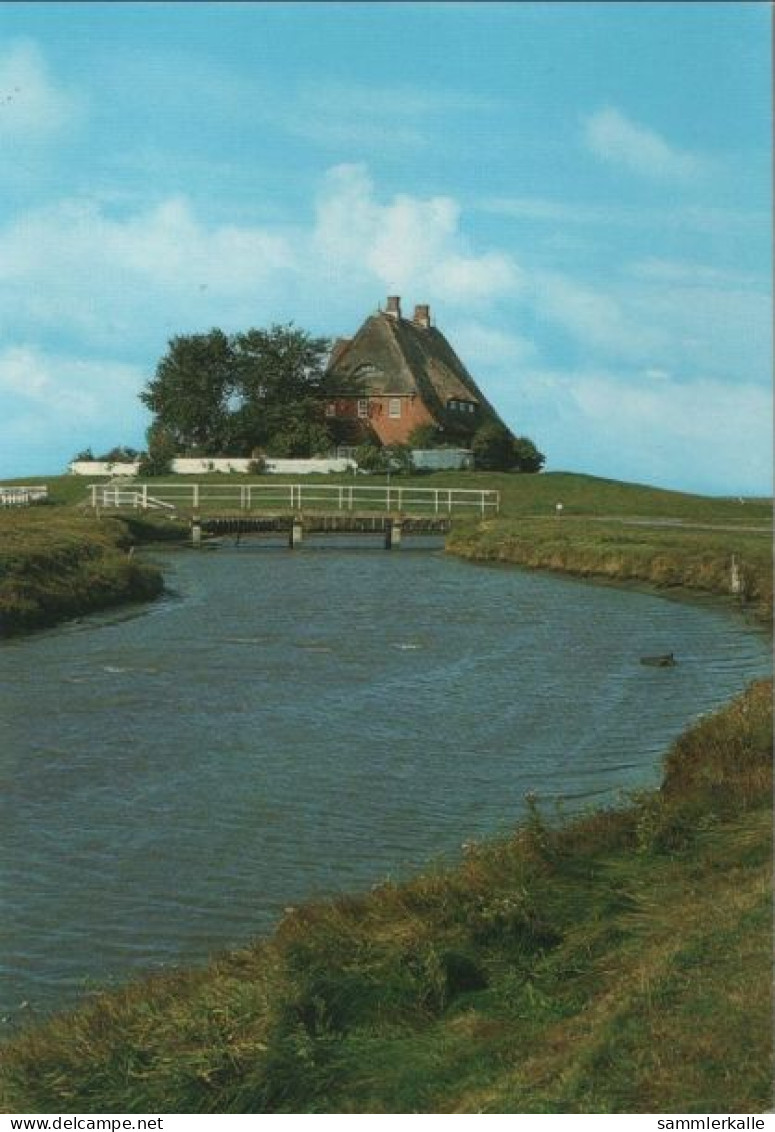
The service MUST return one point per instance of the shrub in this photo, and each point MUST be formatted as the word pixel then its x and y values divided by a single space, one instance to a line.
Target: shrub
pixel 427 436
pixel 496 450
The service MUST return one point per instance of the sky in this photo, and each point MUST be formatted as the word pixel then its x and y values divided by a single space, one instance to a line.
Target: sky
pixel 580 191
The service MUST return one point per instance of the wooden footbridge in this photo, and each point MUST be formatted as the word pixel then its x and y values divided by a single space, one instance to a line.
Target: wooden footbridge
pixel 293 509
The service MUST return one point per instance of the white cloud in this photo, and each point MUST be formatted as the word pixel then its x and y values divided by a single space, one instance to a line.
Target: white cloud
pixel 664 315
pixel 56 404
pixel 594 318
pixel 485 347
pixel 638 149
pixel 705 435
pixel 32 107
pixel 373 118
pixel 108 275
pixel 407 244
pixel 109 278
pixel 692 273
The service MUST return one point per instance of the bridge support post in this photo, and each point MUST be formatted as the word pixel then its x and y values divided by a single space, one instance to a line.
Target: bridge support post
pixel 296 534
pixel 196 531
pixel 393 534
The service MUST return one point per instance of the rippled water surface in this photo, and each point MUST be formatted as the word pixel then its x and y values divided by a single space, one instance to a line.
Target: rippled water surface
pixel 297 723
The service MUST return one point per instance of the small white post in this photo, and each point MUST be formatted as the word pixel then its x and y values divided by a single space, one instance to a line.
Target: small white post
pixel 392 534
pixel 196 495
pixel 735 577
pixel 145 497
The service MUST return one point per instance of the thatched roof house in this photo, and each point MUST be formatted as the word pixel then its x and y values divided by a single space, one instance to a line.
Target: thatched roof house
pixel 406 374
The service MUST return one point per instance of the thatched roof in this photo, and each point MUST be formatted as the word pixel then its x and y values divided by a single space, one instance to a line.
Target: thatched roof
pixel 394 356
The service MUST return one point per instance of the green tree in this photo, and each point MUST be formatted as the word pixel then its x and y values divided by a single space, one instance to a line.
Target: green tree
pixel 162 448
pixel 493 448
pixel 279 389
pixel 214 394
pixel 528 458
pixel 190 394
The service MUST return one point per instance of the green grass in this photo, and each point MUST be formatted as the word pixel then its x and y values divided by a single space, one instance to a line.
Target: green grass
pixel 56 564
pixel 617 963
pixel 521 495
pixel 666 557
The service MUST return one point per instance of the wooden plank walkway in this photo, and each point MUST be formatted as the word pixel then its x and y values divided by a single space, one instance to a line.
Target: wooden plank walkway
pixel 325 523
pixel 392 528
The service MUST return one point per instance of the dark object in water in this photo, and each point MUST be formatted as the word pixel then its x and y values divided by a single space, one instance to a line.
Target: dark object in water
pixel 665 661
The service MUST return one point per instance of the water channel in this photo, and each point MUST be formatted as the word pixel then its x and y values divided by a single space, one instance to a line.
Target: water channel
pixel 291 724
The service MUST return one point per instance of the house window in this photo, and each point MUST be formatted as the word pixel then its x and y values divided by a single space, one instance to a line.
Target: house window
pixel 394 407
pixel 330 409
pixel 363 407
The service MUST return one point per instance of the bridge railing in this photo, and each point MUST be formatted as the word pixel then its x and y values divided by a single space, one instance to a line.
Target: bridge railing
pixel 297 497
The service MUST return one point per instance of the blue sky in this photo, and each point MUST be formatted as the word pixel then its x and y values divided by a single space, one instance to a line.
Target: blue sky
pixel 581 191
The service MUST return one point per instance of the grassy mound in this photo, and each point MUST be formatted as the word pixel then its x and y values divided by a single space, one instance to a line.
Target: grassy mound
pixel 55 564
pixel 693 558
pixel 619 963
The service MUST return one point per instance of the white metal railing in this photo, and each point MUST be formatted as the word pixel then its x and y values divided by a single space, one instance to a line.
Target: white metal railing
pixel 23 496
pixel 298 497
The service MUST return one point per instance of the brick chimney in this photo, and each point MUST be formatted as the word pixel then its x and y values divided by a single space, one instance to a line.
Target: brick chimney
pixel 422 315
pixel 394 306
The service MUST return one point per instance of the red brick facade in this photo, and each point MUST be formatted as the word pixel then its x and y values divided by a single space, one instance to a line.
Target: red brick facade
pixel 392 419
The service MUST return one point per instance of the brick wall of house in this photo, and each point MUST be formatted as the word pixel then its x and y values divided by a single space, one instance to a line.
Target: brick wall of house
pixel 396 430
pixel 389 429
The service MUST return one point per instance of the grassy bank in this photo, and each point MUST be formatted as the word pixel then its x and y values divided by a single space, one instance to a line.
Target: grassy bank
pixel 620 963
pixel 56 564
pixel 666 557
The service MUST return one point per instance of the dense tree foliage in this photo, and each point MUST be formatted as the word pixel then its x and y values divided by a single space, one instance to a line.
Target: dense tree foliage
pixel 528 458
pixel 495 449
pixel 215 394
